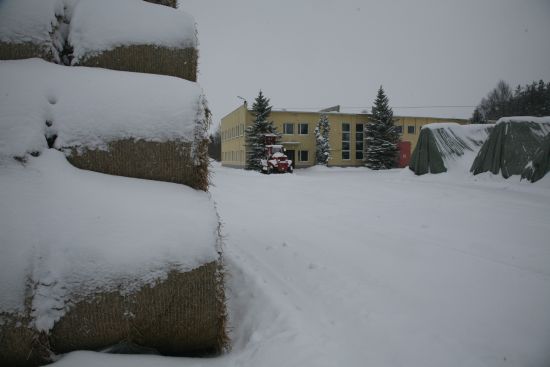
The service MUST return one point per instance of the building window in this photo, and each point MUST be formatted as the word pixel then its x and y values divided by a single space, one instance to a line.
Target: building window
pixel 304 155
pixel 410 129
pixel 399 129
pixel 345 140
pixel 288 128
pixel 303 129
pixel 359 141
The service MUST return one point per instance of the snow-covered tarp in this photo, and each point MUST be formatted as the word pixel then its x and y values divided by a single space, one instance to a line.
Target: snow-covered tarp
pixel 512 145
pixel 72 233
pixel 86 107
pixel 446 145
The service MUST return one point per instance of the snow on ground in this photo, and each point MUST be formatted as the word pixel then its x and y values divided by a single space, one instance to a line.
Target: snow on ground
pixel 91 107
pixel 351 267
pixel 73 232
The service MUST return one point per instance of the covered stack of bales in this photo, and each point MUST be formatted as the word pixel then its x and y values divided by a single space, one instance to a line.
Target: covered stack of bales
pixel 442 145
pixel 29 29
pixel 540 165
pixel 512 145
pixel 134 36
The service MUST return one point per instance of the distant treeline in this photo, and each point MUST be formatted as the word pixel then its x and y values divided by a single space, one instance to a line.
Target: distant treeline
pixel 531 100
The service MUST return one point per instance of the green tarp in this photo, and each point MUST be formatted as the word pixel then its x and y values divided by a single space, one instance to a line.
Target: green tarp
pixel 540 165
pixel 511 145
pixel 441 143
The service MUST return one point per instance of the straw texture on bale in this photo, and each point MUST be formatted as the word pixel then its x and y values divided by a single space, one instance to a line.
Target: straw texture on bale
pixel 21 346
pixel 169 161
pixel 178 62
pixel 170 3
pixel 182 315
pixel 27 50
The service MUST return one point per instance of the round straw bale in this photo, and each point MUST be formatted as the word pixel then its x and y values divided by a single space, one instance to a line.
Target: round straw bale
pixel 26 50
pixel 181 315
pixel 169 161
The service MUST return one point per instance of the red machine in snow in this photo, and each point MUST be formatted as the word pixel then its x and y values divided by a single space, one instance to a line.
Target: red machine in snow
pixel 275 160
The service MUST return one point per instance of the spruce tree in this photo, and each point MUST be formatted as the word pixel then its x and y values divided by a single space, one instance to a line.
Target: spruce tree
pixel 381 135
pixel 255 134
pixel 322 153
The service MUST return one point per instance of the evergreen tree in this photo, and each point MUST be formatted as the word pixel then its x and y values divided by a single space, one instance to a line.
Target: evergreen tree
pixel 322 154
pixel 477 117
pixel 381 135
pixel 255 134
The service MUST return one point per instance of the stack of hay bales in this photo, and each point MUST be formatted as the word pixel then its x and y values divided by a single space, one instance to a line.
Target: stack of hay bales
pixel 91 260
pixel 442 145
pixel 134 36
pixel 512 145
pixel 28 29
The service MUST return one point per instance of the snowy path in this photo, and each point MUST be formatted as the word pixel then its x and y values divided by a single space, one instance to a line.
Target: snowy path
pixel 347 267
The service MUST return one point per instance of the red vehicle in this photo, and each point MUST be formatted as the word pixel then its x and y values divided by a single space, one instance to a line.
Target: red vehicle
pixel 275 160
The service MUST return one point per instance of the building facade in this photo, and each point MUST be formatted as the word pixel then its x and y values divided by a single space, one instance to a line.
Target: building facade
pixel 297 129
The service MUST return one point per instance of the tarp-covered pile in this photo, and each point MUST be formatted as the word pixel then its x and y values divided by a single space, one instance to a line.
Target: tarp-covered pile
pixel 512 146
pixel 444 145
pixel 540 165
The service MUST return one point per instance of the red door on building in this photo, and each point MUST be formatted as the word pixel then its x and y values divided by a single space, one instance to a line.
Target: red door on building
pixel 404 153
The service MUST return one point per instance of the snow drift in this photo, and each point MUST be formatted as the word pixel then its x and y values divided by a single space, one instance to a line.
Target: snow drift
pixel 446 145
pixel 89 260
pixel 512 145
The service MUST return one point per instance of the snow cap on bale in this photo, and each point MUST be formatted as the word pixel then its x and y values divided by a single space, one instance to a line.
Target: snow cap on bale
pixel 105 113
pixel 444 145
pixel 511 145
pixel 151 39
pixel 27 29
pixel 89 260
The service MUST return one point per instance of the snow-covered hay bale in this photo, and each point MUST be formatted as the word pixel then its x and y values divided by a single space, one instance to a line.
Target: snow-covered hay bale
pixel 127 124
pixel 89 260
pixel 512 145
pixel 540 165
pixel 134 36
pixel 444 145
pixel 27 29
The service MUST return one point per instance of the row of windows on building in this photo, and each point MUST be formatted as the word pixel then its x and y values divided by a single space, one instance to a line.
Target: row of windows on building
pixel 301 129
pixel 234 132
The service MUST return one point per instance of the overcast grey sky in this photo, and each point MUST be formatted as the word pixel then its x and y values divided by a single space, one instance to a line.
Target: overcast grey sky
pixel 319 53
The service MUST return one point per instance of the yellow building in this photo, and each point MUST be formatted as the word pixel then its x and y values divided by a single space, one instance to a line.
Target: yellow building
pixel 297 129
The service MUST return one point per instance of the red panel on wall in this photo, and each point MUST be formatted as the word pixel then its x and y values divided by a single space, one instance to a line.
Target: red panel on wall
pixel 404 153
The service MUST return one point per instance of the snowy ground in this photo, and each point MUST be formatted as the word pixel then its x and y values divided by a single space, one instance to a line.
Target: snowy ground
pixel 349 267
